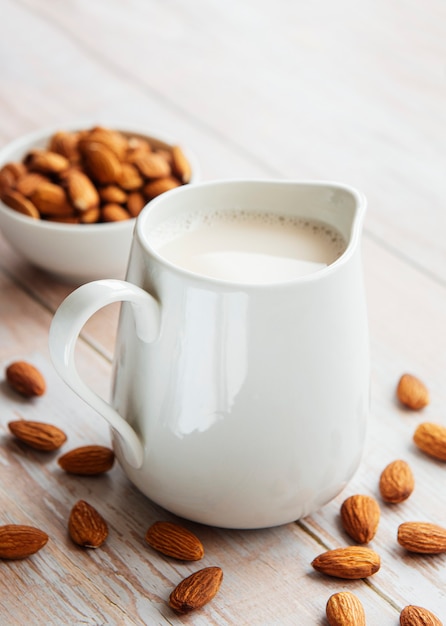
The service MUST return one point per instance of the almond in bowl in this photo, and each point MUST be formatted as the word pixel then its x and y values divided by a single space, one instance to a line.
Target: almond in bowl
pixel 69 198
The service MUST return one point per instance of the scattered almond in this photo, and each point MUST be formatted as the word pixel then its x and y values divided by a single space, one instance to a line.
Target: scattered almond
pixel 25 379
pixel 196 590
pixel 87 460
pixel 38 435
pixel 431 439
pixel 352 562
pixel 417 616
pixel 360 517
pixel 18 541
pixel 422 537
pixel 175 541
pixel 86 526
pixel 412 392
pixel 345 609
pixel 396 482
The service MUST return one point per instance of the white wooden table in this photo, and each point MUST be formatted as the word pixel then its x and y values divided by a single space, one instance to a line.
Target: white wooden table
pixel 348 91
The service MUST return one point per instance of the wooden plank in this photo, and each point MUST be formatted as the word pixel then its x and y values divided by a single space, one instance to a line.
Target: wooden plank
pixel 400 342
pixel 94 93
pixel 303 97
pixel 100 330
pixel 333 98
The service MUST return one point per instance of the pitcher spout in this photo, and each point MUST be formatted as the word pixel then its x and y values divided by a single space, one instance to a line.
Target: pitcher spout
pixel 346 209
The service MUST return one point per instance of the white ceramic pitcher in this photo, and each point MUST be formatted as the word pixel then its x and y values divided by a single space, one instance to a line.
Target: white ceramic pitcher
pixel 234 405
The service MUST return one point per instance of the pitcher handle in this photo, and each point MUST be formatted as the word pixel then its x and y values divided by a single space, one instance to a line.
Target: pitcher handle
pixel 66 326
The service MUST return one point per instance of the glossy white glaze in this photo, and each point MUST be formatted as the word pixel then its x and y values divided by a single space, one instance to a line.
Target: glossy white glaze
pixel 249 402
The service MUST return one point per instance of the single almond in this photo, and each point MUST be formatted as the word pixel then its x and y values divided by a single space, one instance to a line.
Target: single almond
pixel 25 379
pixel 180 165
pixel 101 163
pixel 114 213
pixel 417 616
pixel 152 165
pixel 175 541
pixel 431 439
pixel 345 609
pixel 396 482
pixel 135 203
pixel 360 517
pixel 130 178
pixel 166 153
pixel 114 140
pixel 66 219
pixel 90 216
pixel 87 460
pixel 66 144
pixel 17 201
pixel 196 590
pixel 9 175
pixel 27 183
pixel 412 392
pixel 20 203
pixel 15 170
pixel 112 193
pixel 422 537
pixel 87 527
pixel 156 187
pixel 46 162
pixel 38 435
pixel 51 200
pixel 81 191
pixel 351 562
pixel 135 147
pixel 18 541
pixel 7 180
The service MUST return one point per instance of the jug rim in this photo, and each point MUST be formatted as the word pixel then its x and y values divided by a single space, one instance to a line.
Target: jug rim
pixel 352 243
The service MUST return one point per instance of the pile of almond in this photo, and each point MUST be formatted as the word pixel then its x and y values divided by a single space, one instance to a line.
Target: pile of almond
pixel 360 514
pixel 93 175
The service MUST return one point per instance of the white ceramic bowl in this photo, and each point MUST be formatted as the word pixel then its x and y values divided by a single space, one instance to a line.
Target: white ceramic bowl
pixel 74 253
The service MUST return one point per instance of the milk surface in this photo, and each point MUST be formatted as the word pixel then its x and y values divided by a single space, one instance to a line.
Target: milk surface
pixel 247 247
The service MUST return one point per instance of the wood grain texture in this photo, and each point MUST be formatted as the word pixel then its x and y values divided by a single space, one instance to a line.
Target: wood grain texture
pixel 354 92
